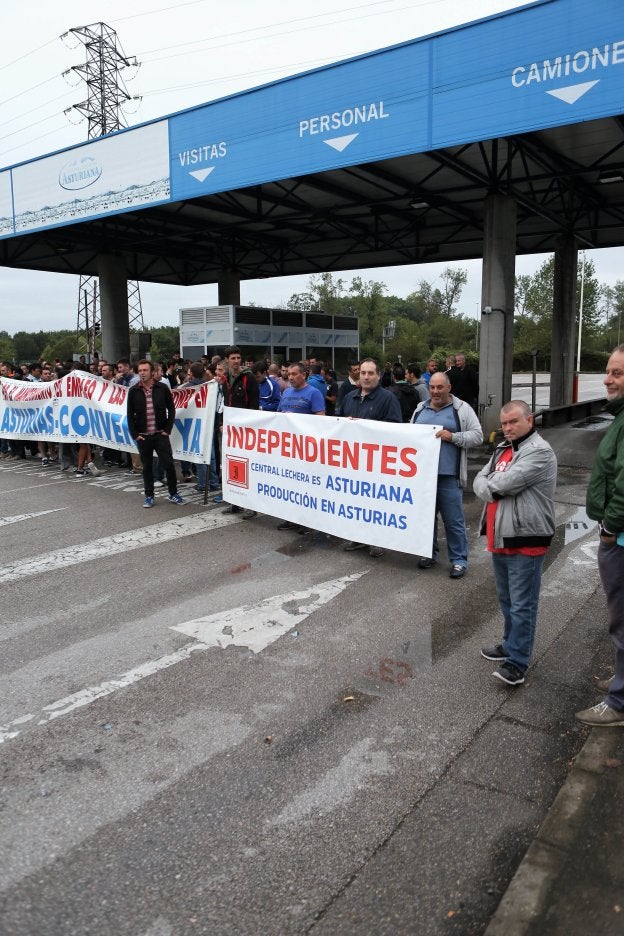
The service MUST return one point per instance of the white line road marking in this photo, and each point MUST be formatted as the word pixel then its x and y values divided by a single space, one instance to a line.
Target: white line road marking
pixel 256 626
pixel 86 696
pixel 31 487
pixel 117 543
pixel 339 784
pixel 273 617
pixel 29 516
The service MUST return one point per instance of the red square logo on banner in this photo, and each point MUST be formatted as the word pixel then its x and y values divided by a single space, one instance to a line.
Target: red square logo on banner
pixel 237 471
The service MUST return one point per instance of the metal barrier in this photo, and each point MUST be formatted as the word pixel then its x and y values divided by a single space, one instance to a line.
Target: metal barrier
pixel 569 412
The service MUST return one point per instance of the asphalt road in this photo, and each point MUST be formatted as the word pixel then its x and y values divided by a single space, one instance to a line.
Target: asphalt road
pixel 210 726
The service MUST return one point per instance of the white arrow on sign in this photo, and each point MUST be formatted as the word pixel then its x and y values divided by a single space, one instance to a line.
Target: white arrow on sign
pixel 253 626
pixel 341 143
pixel 202 174
pixel 572 93
pixel 257 625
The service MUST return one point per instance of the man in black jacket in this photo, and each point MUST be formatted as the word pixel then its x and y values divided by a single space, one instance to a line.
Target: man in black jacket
pixel 464 381
pixel 240 389
pixel 151 413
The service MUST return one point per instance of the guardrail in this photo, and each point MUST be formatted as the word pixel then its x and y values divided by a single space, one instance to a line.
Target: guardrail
pixel 569 412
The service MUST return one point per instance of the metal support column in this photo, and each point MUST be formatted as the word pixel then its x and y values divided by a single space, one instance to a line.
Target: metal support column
pixel 114 308
pixel 564 322
pixel 497 308
pixel 229 288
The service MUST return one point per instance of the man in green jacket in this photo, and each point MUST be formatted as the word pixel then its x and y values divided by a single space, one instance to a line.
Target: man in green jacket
pixel 605 503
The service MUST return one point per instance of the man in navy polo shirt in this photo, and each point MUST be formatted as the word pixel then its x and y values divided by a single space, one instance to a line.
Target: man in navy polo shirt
pixel 370 401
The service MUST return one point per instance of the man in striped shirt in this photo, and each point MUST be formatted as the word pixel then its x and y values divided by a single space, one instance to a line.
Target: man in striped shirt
pixel 151 413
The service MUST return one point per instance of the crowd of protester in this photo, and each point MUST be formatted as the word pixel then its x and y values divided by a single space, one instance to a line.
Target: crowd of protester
pixel 409 384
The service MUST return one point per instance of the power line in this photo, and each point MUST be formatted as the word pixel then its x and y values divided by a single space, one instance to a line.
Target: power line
pixel 299 19
pixel 20 58
pixel 256 71
pixel 287 32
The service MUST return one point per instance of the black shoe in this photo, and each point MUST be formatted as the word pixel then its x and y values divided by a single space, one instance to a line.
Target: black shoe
pixel 249 514
pixel 351 546
pixel 457 571
pixel 287 525
pixel 510 674
pixel 495 653
pixel 232 509
pixel 425 563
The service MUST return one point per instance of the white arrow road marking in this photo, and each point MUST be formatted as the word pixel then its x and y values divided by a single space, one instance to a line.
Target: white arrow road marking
pixel 257 625
pixel 339 784
pixel 591 551
pixel 202 174
pixel 29 516
pixel 117 543
pixel 273 617
pixel 341 143
pixel 572 93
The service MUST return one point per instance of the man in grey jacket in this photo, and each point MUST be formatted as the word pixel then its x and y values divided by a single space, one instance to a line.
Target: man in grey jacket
pixel 460 431
pixel 518 487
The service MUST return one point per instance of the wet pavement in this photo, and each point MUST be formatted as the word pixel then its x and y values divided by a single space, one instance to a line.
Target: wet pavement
pixel 362 772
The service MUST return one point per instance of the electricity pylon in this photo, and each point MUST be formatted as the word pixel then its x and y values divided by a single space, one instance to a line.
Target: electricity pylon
pixel 104 109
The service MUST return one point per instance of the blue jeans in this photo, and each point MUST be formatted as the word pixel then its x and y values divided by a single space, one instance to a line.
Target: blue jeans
pixel 611 568
pixel 202 471
pixel 518 579
pixel 450 506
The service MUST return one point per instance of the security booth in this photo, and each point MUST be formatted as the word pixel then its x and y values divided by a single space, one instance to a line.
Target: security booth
pixel 275 334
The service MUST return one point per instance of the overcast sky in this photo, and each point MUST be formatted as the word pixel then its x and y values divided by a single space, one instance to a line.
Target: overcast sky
pixel 192 51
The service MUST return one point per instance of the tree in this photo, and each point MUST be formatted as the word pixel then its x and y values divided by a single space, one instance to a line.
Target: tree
pixel 29 345
pixel 7 348
pixel 165 340
pixel 424 302
pixel 327 292
pixel 367 299
pixel 453 281
pixel 534 308
pixel 613 309
pixel 63 345
pixel 410 342
pixel 302 302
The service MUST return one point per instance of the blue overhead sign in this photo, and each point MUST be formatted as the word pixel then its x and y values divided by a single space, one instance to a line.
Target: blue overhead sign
pixel 544 66
pixel 551 63
pixel 370 108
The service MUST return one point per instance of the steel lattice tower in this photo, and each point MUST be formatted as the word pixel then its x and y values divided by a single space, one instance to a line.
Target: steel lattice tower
pixel 106 96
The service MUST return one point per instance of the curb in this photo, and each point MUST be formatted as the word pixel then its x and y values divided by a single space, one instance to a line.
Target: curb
pixel 527 895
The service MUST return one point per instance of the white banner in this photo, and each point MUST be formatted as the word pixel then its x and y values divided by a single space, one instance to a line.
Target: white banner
pixel 362 480
pixel 85 408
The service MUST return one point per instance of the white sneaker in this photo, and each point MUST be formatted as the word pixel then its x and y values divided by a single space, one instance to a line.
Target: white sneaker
pixel 93 470
pixel 159 484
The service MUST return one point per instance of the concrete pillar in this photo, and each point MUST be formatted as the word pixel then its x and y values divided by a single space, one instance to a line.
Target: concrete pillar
pixel 563 343
pixel 497 308
pixel 229 287
pixel 113 308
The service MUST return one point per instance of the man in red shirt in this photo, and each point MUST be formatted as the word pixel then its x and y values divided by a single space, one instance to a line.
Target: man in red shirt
pixel 518 487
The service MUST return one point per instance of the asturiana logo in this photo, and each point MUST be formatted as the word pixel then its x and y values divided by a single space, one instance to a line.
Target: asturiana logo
pixel 80 173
